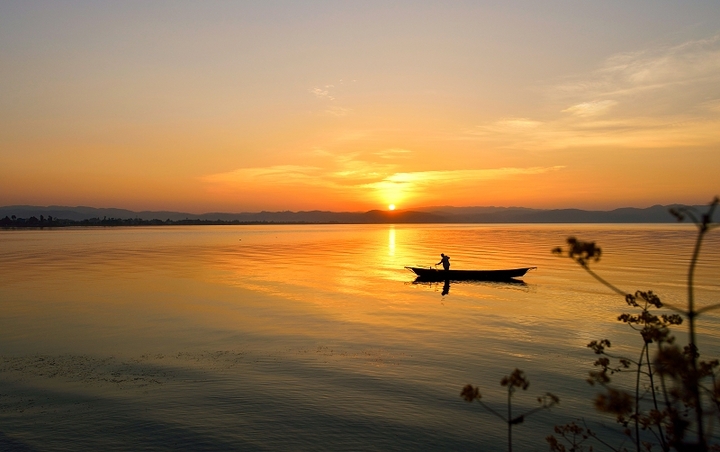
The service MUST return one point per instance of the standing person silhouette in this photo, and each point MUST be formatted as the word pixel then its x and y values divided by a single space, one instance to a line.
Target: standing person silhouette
pixel 445 261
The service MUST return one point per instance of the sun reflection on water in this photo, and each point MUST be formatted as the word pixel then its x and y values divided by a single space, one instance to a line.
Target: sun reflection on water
pixel 391 241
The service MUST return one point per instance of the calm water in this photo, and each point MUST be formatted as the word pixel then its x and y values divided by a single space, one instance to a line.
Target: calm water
pixel 312 337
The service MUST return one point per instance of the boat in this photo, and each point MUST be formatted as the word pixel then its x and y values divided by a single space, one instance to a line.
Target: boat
pixel 434 274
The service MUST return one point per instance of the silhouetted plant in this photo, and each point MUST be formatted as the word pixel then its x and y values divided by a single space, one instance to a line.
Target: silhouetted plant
pixel 574 435
pixel 672 401
pixel 513 381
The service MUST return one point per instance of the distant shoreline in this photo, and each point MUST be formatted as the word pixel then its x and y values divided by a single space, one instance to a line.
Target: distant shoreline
pixel 63 216
pixel 36 223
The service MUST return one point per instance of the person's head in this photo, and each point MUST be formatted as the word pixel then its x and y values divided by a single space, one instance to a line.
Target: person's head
pixel 442 255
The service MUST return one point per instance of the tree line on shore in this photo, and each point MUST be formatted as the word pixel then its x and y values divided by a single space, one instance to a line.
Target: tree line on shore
pixel 13 222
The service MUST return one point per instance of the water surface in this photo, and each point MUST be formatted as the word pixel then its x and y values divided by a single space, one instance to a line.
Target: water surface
pixel 312 337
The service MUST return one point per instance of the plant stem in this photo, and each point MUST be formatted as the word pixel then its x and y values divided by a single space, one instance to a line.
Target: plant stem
pixel 509 418
pixel 695 388
pixel 663 443
pixel 602 280
pixel 637 399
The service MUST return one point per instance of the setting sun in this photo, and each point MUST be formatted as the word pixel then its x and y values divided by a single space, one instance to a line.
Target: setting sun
pixel 391 207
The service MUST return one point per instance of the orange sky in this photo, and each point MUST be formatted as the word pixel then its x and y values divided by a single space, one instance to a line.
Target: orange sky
pixel 231 106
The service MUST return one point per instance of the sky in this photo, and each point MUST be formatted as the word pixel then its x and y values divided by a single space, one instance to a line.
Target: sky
pixel 243 106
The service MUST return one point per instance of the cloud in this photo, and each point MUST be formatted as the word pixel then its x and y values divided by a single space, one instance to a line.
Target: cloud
pixel 690 65
pixel 656 98
pixel 292 174
pixel 322 93
pixel 585 109
pixel 332 170
pixel 393 153
pixel 356 179
pixel 712 105
pixel 584 132
pixel 511 126
pixel 326 93
pixel 451 177
pixel 338 111
pixel 518 123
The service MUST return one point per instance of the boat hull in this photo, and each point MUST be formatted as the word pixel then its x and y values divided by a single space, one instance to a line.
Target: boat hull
pixel 434 274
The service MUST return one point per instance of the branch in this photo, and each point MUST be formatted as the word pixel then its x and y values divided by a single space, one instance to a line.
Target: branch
pixel 482 404
pixel 602 281
pixel 707 308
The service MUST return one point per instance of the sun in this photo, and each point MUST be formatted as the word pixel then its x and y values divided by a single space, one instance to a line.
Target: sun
pixel 391 207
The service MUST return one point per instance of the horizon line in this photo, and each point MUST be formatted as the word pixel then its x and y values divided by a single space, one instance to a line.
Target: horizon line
pixel 395 211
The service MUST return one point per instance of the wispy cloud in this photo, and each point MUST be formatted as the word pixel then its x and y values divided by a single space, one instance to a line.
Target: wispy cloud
pixel 322 93
pixel 286 174
pixel 327 93
pixel 690 65
pixel 583 132
pixel 509 126
pixel 518 123
pixel 655 98
pixel 393 153
pixel 361 178
pixel 355 178
pixel 334 110
pixel 424 179
pixel 593 108
pixel 711 105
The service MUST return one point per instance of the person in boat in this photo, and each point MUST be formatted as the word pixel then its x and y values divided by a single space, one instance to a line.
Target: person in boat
pixel 445 261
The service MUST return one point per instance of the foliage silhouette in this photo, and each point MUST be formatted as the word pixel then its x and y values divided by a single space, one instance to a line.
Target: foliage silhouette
pixel 676 398
pixel 513 381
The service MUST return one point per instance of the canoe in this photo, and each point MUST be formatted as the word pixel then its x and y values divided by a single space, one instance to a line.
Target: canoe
pixel 434 274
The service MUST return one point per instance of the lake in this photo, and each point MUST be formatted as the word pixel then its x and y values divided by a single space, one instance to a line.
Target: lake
pixel 314 337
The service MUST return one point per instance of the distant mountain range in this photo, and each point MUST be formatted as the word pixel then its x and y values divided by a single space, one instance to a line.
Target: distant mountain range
pixel 436 214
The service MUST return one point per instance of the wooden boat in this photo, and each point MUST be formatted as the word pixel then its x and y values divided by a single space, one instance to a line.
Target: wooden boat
pixel 434 274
